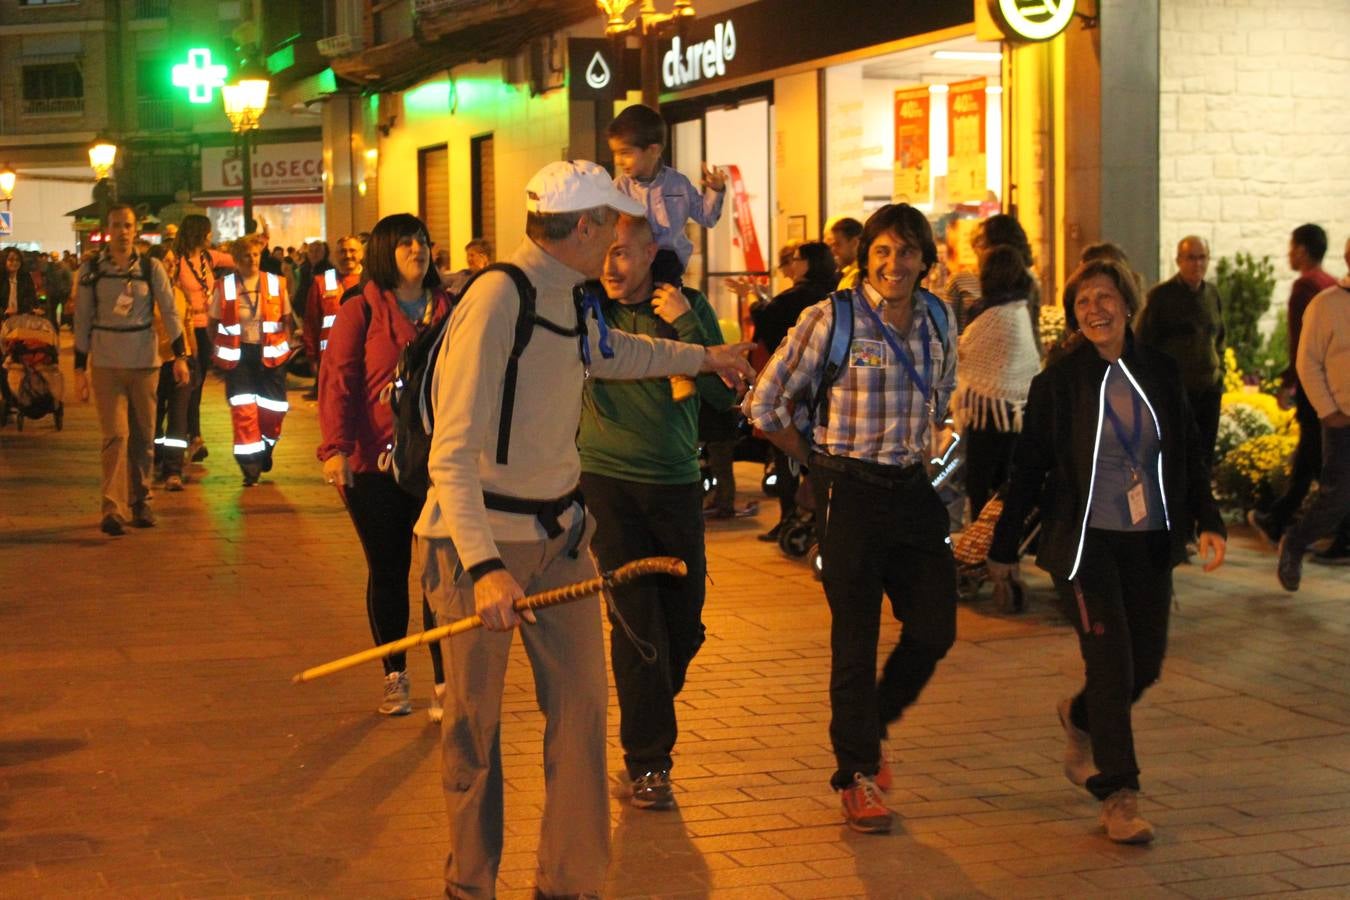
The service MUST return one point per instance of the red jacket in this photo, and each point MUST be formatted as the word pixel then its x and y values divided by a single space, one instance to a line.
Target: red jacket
pixel 358 364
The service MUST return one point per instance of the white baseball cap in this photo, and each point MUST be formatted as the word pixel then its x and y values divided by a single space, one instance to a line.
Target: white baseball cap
pixel 574 185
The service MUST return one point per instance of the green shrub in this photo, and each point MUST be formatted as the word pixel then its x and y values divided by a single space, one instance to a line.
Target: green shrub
pixel 1245 285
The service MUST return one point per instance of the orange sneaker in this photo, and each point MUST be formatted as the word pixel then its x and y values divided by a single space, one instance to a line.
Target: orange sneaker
pixel 864 809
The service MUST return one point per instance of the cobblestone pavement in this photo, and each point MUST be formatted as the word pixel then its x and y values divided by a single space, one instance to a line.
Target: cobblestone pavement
pixel 152 744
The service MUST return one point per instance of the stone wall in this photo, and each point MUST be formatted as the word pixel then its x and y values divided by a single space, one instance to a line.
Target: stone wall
pixel 1255 134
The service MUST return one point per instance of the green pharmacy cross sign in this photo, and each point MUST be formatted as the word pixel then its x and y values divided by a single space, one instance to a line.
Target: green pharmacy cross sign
pixel 199 76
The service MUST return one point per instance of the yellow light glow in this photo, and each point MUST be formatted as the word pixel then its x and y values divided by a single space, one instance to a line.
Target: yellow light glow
pixel 102 156
pixel 372 156
pixel 245 102
pixel 7 178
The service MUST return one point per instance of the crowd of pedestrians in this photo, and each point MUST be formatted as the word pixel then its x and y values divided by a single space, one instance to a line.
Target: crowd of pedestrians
pixel 567 389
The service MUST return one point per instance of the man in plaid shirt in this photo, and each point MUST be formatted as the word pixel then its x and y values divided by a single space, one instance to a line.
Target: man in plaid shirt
pixel 883 528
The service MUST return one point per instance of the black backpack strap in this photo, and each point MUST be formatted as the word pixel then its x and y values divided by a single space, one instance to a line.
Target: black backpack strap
pixel 525 323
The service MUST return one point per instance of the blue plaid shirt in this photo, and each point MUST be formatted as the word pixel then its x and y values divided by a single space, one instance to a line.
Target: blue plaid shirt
pixel 875 411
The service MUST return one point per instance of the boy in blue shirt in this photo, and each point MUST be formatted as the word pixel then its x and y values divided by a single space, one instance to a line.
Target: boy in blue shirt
pixel 637 138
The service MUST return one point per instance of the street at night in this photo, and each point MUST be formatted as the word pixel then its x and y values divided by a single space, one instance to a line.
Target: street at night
pixel 154 745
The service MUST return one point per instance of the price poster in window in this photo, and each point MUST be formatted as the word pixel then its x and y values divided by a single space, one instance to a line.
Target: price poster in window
pixel 911 146
pixel 966 180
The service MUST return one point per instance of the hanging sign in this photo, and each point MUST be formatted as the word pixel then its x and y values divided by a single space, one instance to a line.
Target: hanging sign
pixel 912 178
pixel 1032 20
pixel 595 71
pixel 745 222
pixel 966 181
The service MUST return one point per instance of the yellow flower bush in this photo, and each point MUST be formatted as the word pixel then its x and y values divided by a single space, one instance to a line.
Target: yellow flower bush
pixel 1282 420
pixel 1256 471
pixel 1232 375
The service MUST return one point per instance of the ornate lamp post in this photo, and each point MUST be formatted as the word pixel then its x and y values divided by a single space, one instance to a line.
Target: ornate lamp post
pixel 649 25
pixel 7 179
pixel 245 103
pixel 102 156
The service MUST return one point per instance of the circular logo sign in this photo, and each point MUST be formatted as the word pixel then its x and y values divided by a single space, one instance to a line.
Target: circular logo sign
pixel 1033 20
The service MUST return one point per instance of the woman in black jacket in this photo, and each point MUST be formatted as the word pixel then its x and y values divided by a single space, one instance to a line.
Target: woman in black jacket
pixel 18 293
pixel 1110 453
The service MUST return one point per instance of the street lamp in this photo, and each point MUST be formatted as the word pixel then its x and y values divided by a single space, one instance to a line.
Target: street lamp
pixel 649 25
pixel 102 155
pixel 7 178
pixel 245 103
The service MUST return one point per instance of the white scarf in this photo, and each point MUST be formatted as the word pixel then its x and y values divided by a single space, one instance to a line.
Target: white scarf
pixel 998 358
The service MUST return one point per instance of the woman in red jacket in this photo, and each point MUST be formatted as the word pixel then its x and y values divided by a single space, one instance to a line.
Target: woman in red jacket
pixel 402 297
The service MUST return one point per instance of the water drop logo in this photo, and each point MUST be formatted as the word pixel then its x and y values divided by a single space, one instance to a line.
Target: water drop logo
pixel 597 73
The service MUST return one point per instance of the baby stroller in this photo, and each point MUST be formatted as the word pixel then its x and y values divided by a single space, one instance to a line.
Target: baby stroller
pixel 32 386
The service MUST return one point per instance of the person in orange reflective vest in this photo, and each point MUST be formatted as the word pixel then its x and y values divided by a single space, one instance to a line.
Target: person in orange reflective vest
pixel 325 296
pixel 250 316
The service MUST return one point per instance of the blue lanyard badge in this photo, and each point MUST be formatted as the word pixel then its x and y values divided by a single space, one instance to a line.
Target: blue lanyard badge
pixel 1130 443
pixel 924 384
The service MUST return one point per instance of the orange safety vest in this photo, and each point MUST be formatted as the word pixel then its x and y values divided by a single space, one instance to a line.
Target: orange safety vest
pixel 330 299
pixel 229 333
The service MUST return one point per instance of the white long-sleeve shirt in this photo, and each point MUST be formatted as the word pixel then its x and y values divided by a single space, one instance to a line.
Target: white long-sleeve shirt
pixel 1324 351
pixel 543 462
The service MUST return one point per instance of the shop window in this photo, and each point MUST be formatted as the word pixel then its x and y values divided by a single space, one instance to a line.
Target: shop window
pixel 433 192
pixel 481 181
pixel 53 89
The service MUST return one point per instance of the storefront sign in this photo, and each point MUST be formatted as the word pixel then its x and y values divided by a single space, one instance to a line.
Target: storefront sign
pixel 966 180
pixel 706 59
pixel 595 71
pixel 276 167
pixel 911 145
pixel 745 222
pixel 1032 20
pixel 772 34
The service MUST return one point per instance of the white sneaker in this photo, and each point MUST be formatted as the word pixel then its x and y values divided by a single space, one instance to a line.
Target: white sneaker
pixel 397 700
pixel 1120 817
pixel 1078 763
pixel 436 711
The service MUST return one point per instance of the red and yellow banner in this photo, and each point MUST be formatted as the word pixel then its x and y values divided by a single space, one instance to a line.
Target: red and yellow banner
pixel 912 175
pixel 966 181
pixel 745 222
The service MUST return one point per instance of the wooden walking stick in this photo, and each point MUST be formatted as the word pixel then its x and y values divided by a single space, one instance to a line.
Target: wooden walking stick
pixel 638 568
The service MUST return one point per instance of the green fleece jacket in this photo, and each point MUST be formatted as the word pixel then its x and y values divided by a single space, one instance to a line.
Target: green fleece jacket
pixel 634 430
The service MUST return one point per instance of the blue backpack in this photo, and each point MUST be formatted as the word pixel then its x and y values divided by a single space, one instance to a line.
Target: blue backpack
pixel 841 338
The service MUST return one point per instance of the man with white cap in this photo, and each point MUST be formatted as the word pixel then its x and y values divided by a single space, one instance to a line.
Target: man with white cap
pixel 503 515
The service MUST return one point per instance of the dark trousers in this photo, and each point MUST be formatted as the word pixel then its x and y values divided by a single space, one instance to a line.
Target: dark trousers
pixel 879 540
pixel 171 406
pixel 1205 407
pixel 201 364
pixel 634 520
pixel 1307 464
pixel 384 515
pixel 1329 511
pixel 1118 604
pixel 787 484
pixel 257 396
pixel 988 455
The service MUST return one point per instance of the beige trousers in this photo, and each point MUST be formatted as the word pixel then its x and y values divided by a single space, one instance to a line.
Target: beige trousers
pixel 125 400
pixel 566 652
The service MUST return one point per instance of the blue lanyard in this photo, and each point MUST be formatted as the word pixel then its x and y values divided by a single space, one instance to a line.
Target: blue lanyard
pixel 923 384
pixel 1130 444
pixel 589 302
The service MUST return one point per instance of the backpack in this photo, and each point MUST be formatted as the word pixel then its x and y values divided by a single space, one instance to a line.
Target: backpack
pixel 840 340
pixel 410 394
pixel 90 278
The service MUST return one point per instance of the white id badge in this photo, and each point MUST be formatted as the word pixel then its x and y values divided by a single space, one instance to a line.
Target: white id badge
pixel 1138 505
pixel 124 301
